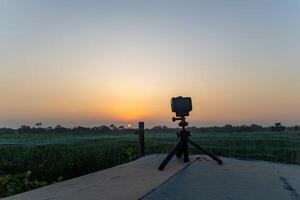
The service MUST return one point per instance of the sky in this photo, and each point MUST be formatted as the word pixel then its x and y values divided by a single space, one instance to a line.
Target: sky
pixel 91 62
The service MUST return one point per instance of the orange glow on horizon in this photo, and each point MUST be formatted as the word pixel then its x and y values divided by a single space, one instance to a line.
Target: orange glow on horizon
pixel 122 109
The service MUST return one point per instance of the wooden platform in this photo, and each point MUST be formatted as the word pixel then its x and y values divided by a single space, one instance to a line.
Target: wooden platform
pixel 202 178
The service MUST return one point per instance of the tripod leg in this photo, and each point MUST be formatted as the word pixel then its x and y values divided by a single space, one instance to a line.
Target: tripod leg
pixel 171 154
pixel 206 152
pixel 185 151
pixel 179 151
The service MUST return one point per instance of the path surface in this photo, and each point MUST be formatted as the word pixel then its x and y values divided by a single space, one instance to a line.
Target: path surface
pixel 236 179
pixel 202 178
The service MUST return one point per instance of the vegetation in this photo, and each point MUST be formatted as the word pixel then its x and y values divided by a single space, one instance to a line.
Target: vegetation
pixel 32 160
pixel 278 127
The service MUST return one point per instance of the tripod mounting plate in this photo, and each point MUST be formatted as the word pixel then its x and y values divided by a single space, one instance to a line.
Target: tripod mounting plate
pixel 177 118
pixel 182 122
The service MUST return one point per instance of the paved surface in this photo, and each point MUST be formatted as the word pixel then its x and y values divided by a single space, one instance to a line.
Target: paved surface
pixel 202 178
pixel 236 179
pixel 128 181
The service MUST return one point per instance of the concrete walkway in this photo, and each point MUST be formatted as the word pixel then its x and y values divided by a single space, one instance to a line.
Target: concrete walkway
pixel 202 178
pixel 236 179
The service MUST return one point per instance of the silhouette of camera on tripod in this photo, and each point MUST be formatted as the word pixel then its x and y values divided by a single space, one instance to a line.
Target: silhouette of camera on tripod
pixel 182 106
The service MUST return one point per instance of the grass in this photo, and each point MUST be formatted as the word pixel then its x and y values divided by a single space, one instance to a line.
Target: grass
pixel 277 147
pixel 29 161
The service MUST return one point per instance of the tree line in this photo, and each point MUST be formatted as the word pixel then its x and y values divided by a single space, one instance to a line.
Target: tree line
pixel 157 129
pixel 61 129
pixel 278 127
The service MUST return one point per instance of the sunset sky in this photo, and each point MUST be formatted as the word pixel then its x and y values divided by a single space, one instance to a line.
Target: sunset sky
pixel 90 62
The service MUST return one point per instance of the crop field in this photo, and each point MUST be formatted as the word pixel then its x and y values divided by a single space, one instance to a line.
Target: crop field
pixel 29 161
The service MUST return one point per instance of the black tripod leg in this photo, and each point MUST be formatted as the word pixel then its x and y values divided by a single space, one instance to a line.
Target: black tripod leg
pixel 179 151
pixel 185 151
pixel 171 154
pixel 206 152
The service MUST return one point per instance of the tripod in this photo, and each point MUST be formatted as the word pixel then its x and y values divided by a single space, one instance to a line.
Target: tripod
pixel 182 145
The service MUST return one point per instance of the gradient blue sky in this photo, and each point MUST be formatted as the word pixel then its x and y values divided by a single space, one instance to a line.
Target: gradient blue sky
pixel 95 62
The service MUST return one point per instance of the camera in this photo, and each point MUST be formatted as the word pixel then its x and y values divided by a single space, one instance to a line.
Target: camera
pixel 181 106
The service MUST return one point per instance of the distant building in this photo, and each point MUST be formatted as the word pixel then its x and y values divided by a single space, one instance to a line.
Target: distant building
pixel 38 124
pixel 278 127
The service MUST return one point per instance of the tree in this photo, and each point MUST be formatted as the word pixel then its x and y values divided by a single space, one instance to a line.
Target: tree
pixel 38 124
pixel 61 129
pixel 25 129
pixel 101 129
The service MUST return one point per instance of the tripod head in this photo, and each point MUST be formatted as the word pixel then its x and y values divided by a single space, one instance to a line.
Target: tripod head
pixel 182 122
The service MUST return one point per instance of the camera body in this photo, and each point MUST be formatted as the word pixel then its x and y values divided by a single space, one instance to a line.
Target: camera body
pixel 181 106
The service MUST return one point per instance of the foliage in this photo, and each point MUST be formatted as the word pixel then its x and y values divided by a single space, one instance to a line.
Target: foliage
pixel 55 157
pixel 16 183
pixel 25 129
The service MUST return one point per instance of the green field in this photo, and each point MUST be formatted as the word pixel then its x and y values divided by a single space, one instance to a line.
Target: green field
pixel 29 161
